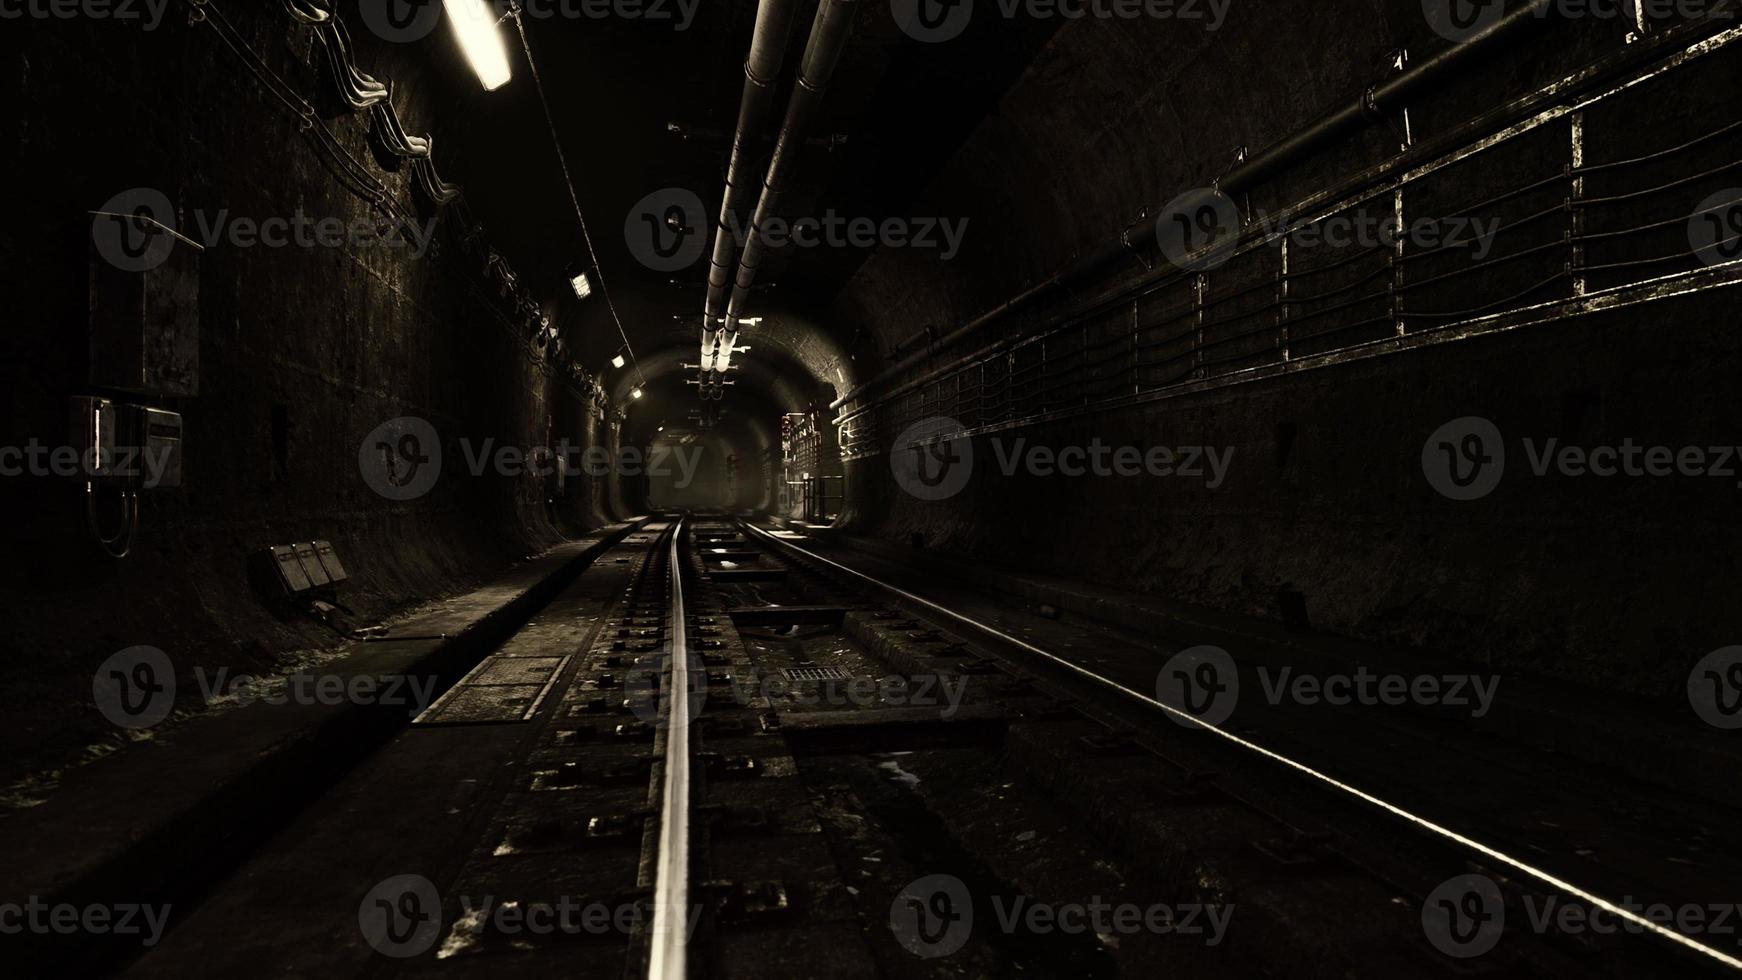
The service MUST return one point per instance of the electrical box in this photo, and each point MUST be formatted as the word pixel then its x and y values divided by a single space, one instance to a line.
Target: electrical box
pixel 289 570
pixel 159 440
pixel 311 565
pixel 94 432
pixel 329 559
pixel 145 326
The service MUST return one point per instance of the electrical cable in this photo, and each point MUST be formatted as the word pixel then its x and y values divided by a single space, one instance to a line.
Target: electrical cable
pixel 569 184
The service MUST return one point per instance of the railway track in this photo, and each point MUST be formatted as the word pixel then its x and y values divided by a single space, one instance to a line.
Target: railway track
pixel 727 751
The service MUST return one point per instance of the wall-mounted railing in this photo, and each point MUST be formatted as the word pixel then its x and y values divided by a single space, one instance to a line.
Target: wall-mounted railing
pixel 1577 207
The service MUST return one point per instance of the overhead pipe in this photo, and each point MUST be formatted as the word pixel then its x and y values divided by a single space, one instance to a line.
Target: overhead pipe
pixel 1368 108
pixel 768 43
pixel 822 55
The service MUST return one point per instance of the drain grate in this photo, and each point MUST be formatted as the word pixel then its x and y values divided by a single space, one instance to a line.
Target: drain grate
pixel 814 674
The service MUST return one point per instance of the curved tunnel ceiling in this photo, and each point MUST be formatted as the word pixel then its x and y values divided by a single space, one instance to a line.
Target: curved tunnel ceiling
pixel 645 107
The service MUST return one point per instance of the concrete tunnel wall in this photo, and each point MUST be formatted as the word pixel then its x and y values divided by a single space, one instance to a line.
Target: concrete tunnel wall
pixel 302 352
pixel 1326 495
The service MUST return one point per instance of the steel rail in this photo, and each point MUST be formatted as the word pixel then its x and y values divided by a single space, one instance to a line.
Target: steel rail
pixel 668 958
pixel 1346 789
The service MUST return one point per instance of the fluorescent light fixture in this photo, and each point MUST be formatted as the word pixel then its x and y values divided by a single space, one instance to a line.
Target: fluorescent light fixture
pixel 475 27
pixel 582 285
pixel 636 394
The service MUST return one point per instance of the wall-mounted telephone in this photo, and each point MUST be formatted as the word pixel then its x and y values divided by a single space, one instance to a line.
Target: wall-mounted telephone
pixel 123 449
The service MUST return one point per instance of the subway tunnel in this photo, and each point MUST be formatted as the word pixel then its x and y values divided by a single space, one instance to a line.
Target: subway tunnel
pixel 872 488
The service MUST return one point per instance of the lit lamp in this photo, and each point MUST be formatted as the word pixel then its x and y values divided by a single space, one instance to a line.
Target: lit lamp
pixel 636 394
pixel 620 358
pixel 475 27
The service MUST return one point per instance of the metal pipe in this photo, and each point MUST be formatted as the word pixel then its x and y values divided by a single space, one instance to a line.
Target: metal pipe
pixel 829 33
pixel 768 43
pixel 1367 108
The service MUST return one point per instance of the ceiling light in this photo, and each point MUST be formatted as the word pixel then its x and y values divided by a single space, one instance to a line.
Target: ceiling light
pixel 636 394
pixel 582 285
pixel 619 359
pixel 475 26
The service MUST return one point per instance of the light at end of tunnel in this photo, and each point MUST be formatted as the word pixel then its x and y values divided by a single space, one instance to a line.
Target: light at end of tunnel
pixel 582 285
pixel 475 26
pixel 636 394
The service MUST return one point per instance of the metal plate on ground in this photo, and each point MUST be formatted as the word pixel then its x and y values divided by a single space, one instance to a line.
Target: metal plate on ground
pixel 815 674
pixel 499 690
pixel 518 670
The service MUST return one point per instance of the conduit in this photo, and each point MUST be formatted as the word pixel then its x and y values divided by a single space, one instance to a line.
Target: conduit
pixel 828 39
pixel 768 44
